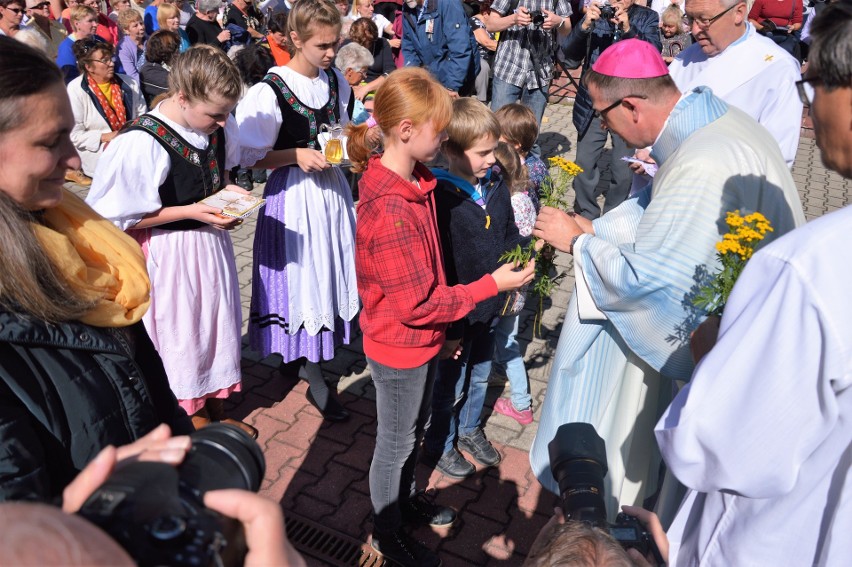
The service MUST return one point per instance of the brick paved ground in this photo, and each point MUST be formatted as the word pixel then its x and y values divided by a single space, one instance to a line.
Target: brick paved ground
pixel 319 471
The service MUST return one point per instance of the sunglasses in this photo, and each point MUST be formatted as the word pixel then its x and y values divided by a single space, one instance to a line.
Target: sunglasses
pixel 16 10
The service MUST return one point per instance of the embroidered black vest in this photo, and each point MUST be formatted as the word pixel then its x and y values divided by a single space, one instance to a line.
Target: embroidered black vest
pixel 193 175
pixel 301 123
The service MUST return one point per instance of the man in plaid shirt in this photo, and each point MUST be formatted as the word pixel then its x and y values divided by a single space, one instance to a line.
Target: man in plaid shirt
pixel 523 66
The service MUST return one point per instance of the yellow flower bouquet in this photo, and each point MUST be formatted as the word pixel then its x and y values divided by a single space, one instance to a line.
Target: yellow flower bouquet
pixel 734 250
pixel 553 190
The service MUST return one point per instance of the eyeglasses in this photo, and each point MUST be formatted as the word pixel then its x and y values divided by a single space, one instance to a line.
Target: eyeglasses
pixel 601 114
pixel 41 6
pixel 806 89
pixel 16 10
pixel 106 62
pixel 703 23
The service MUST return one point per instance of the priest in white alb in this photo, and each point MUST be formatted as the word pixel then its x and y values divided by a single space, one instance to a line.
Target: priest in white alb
pixel 743 68
pixel 626 330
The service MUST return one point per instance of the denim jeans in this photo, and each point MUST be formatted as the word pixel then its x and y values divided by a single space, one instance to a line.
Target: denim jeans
pixel 461 384
pixel 403 403
pixel 507 354
pixel 503 93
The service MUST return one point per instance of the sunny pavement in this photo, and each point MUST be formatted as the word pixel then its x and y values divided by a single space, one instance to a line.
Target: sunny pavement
pixel 320 471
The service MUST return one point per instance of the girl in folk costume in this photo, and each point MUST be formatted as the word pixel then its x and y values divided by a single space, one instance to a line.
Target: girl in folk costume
pixel 304 293
pixel 149 182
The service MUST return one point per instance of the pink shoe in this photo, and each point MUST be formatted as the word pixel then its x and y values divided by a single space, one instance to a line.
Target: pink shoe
pixel 504 406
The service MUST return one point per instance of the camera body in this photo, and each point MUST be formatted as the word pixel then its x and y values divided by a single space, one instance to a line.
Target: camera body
pixel 607 10
pixel 537 17
pixel 157 513
pixel 578 463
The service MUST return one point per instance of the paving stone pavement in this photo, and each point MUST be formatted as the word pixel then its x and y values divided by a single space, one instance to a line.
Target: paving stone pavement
pixel 319 471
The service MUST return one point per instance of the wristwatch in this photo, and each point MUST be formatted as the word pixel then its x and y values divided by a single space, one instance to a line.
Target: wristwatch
pixel 573 242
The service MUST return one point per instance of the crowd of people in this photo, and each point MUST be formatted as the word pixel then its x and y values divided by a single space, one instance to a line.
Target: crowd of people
pixel 122 312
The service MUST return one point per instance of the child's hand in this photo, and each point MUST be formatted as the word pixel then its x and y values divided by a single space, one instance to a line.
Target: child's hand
pixel 212 216
pixel 508 279
pixel 310 160
pixel 452 349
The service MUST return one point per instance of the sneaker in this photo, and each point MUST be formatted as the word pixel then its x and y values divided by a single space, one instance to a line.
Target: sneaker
pixel 504 406
pixel 480 448
pixel 404 550
pixel 421 510
pixel 78 177
pixel 451 464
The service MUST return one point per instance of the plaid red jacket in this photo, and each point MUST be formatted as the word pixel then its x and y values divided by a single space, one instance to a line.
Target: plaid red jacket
pixel 407 304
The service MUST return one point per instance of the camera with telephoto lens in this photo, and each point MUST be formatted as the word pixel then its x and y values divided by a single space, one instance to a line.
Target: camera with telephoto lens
pixel 156 511
pixel 607 11
pixel 537 17
pixel 578 463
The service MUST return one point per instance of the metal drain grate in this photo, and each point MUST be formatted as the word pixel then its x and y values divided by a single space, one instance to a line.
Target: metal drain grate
pixel 331 547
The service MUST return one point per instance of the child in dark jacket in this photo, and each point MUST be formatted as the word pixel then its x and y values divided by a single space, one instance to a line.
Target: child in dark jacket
pixel 407 300
pixel 476 225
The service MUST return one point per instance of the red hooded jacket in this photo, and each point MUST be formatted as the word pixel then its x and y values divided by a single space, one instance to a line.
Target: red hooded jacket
pixel 407 303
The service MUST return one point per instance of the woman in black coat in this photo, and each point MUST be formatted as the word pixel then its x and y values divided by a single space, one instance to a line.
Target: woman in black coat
pixel 77 369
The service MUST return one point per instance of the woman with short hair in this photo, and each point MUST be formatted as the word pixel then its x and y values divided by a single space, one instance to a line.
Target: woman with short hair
pixel 154 74
pixel 102 101
pixel 168 16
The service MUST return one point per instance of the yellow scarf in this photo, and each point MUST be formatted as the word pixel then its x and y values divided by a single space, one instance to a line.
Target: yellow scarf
pixel 99 261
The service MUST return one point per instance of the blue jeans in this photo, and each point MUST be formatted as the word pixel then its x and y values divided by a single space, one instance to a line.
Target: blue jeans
pixel 463 381
pixel 403 403
pixel 503 93
pixel 507 354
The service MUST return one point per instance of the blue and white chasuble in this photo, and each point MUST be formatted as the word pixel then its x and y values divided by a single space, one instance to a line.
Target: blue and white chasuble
pixel 640 271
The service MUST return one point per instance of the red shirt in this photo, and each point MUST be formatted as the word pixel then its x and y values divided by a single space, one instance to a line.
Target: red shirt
pixel 782 12
pixel 401 280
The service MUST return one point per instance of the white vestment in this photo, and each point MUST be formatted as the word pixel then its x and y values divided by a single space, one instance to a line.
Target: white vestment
pixel 756 76
pixel 762 435
pixel 641 268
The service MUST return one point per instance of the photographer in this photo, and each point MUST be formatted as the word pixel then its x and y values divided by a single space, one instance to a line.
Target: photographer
pixel 523 65
pixel 579 544
pixel 603 25
pixel 36 534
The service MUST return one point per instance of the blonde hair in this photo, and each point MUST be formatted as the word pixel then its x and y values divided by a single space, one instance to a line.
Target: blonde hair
pixel 673 12
pixel 164 12
pixel 127 17
pixel 353 12
pixel 513 170
pixel 307 15
pixel 79 13
pixel 409 93
pixel 471 122
pixel 203 71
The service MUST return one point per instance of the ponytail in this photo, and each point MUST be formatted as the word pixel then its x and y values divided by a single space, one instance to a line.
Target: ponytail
pixel 408 93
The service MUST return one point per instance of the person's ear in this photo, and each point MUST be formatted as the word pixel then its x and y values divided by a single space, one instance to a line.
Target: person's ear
pixel 404 130
pixel 294 39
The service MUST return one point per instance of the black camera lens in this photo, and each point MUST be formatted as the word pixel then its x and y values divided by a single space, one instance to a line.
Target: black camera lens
pixel 222 456
pixel 537 18
pixel 578 463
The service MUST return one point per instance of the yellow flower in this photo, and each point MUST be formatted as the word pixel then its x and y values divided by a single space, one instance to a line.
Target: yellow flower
pixel 568 167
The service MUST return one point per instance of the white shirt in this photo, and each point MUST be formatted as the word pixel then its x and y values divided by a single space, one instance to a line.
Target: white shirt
pixel 762 435
pixel 753 74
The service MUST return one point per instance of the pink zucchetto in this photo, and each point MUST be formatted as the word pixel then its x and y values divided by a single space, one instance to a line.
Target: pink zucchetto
pixel 631 59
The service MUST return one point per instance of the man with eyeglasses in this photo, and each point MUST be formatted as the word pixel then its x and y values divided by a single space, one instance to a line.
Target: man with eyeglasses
pixel 762 435
pixel 627 327
pixel 11 15
pixel 742 67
